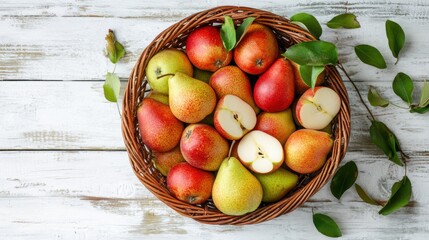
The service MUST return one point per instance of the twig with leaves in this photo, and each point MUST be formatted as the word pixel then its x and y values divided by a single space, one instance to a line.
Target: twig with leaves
pixel 112 85
pixel 313 57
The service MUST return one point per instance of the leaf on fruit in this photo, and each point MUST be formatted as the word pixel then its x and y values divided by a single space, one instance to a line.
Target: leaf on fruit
pixel 370 55
pixel 111 87
pixel 313 53
pixel 115 50
pixel 375 99
pixel 395 36
pixel 424 97
pixel 326 225
pixel 227 33
pixel 309 74
pixel 384 139
pixel 403 87
pixel 242 29
pixel 364 196
pixel 310 22
pixel 346 20
pixel 343 179
pixel 400 196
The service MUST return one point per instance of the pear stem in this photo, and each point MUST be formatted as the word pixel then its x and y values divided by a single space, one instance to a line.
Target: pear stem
pixel 165 75
pixel 230 149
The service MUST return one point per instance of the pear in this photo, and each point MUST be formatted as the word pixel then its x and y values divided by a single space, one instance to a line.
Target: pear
pixel 277 184
pixel 235 190
pixel 191 100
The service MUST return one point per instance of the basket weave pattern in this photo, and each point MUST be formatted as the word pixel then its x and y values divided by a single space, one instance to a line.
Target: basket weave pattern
pixel 141 157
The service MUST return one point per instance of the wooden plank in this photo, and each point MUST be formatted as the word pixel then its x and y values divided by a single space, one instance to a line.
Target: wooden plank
pixel 74 218
pixel 108 175
pixel 71 36
pixel 75 115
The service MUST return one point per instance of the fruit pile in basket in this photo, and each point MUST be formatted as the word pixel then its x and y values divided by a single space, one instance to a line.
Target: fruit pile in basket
pixel 240 126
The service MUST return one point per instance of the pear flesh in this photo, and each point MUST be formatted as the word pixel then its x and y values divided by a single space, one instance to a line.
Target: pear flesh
pixel 235 190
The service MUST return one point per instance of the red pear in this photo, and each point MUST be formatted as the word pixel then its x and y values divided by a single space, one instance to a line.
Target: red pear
pixel 160 130
pixel 275 89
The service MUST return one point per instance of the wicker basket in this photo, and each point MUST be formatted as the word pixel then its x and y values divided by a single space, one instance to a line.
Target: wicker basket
pixel 140 156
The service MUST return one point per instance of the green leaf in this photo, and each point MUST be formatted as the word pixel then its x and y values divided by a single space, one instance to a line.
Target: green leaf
pixel 310 23
pixel 403 87
pixel 400 196
pixel 364 196
pixel 346 20
pixel 424 97
pixel 375 99
pixel 421 110
pixel 115 50
pixel 227 33
pixel 242 29
pixel 111 87
pixel 370 55
pixel 395 36
pixel 309 74
pixel 326 225
pixel 343 179
pixel 314 53
pixel 384 139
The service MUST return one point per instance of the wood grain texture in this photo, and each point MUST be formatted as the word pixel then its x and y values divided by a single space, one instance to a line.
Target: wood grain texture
pixel 70 36
pixel 65 175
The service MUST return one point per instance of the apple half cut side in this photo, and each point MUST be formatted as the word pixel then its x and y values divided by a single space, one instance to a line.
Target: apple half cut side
pixel 260 152
pixel 316 108
pixel 234 117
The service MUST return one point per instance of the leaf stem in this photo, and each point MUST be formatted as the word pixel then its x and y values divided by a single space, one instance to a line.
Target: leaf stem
pixel 340 65
pixel 114 68
pixel 119 111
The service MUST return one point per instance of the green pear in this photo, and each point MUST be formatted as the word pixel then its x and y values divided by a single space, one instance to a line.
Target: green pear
pixel 202 75
pixel 167 61
pixel 162 98
pixel 235 190
pixel 277 184
pixel 191 100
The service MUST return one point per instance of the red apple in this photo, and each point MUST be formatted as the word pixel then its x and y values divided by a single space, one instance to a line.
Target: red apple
pixel 205 49
pixel 275 89
pixel 257 50
pixel 316 108
pixel 203 147
pixel 190 184
pixel 160 130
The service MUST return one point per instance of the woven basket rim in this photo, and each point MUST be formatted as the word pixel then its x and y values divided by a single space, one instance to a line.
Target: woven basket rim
pixel 140 155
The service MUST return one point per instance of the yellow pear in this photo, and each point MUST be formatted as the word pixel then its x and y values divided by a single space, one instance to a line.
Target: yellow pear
pixel 191 100
pixel 235 190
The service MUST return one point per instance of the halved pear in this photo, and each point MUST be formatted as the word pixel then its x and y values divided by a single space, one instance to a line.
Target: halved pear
pixel 234 117
pixel 260 152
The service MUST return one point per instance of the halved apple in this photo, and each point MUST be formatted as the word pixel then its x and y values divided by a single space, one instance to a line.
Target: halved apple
pixel 316 108
pixel 233 117
pixel 260 152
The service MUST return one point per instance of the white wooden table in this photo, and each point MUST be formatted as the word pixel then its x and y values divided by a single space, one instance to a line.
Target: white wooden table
pixel 64 171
